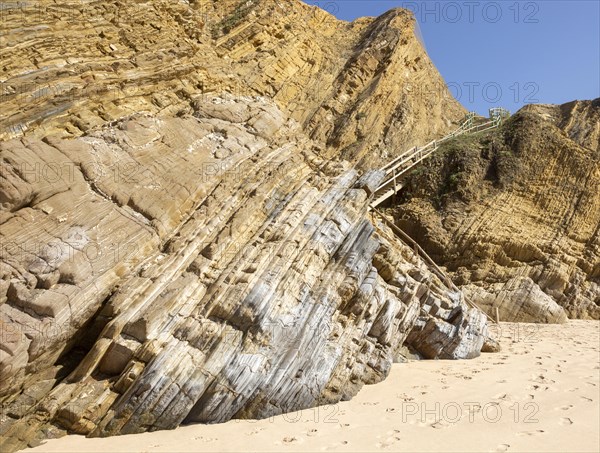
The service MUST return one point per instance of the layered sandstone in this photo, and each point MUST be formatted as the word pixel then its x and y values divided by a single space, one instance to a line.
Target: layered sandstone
pixel 514 214
pixel 184 207
pixel 366 90
pixel 199 268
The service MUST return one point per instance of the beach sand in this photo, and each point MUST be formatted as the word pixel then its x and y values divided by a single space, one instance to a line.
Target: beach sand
pixel 541 393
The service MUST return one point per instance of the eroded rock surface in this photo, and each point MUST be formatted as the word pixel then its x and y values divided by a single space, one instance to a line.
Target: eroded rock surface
pixel 185 235
pixel 367 90
pixel 515 214
pixel 200 268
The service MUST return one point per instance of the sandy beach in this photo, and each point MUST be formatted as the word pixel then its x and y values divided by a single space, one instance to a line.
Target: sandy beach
pixel 541 393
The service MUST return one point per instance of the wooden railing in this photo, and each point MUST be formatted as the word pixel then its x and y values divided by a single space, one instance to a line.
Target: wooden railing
pixel 408 160
pixel 433 267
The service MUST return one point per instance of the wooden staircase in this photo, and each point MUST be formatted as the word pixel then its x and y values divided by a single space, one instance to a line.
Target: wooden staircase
pixel 431 265
pixel 402 164
pixel 407 161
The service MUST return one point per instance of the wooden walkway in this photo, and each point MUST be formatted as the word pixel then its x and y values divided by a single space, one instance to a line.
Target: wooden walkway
pixel 408 160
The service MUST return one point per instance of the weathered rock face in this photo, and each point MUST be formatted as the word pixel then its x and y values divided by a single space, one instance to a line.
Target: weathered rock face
pixel 519 299
pixel 515 214
pixel 184 195
pixel 366 90
pixel 199 268
pixel 185 234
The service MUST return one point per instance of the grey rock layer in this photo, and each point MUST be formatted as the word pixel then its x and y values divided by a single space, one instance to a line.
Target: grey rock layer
pixel 199 269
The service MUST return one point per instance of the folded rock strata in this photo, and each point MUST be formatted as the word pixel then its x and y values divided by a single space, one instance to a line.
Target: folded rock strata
pixel 367 90
pixel 197 269
pixel 172 253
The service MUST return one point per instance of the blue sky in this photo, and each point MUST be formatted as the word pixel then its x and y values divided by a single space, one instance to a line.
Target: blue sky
pixel 503 53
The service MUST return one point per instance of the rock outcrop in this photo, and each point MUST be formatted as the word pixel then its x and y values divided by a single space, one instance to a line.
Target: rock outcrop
pixel 366 90
pixel 184 207
pixel 199 268
pixel 514 214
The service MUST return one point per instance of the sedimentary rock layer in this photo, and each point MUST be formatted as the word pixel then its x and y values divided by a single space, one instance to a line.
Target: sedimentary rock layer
pixel 366 89
pixel 514 214
pixel 199 268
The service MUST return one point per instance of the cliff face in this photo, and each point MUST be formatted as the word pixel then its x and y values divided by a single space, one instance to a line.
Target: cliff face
pixel 515 213
pixel 201 268
pixel 366 90
pixel 183 236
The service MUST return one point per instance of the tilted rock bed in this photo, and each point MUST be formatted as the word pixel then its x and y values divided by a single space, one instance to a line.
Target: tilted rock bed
pixel 514 214
pixel 198 269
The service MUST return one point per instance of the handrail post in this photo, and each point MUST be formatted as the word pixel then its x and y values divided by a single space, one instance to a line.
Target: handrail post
pixel 395 188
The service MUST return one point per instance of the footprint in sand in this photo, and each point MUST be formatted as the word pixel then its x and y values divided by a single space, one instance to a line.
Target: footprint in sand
pixel 537 432
pixel 334 446
pixel 254 431
pixel 538 387
pixel 205 439
pixel 393 439
pixel 289 440
pixel 312 432
pixel 440 424
pixel 589 400
pixel 503 397
pixel 567 407
pixel 565 421
pixel 502 447
pixel 541 379
pixel 404 397
pixel 391 409
pixel 389 434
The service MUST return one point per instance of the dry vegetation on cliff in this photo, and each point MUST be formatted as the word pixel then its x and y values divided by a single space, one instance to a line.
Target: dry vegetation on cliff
pixel 514 213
